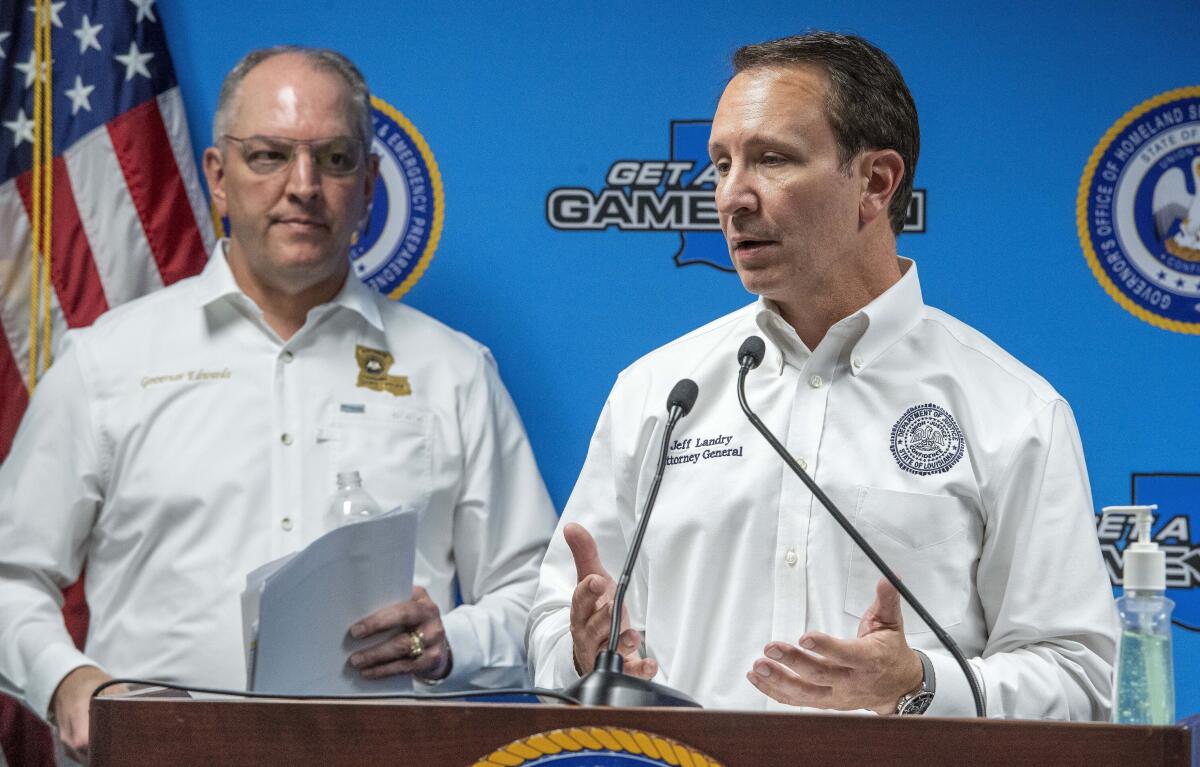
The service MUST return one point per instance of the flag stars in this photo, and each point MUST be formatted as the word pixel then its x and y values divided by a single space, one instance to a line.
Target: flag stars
pixel 55 9
pixel 134 61
pixel 29 69
pixel 144 10
pixel 88 35
pixel 22 128
pixel 4 36
pixel 80 95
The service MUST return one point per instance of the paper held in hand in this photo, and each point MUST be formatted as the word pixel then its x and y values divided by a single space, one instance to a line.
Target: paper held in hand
pixel 297 610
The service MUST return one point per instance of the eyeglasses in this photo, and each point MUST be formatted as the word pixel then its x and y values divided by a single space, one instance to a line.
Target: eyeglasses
pixel 265 155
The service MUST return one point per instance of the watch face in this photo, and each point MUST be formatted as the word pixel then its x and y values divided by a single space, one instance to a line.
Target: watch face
pixel 917 704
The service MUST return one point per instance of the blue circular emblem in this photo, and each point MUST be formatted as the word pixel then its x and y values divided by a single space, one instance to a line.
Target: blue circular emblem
pixel 927 440
pixel 1138 211
pixel 595 747
pixel 407 210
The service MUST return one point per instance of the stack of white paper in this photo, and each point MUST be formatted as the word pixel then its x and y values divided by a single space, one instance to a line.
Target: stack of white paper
pixel 297 611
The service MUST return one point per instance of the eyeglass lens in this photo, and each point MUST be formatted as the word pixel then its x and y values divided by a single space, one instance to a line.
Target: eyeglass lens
pixel 336 156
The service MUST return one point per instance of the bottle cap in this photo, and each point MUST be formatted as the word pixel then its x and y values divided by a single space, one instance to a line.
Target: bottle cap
pixel 348 478
pixel 1145 564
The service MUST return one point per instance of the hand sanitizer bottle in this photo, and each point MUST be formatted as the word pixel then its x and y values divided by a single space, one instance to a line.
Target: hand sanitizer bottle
pixel 1145 686
pixel 350 503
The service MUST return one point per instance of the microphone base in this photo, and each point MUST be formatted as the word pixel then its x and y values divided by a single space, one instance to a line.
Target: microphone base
pixel 608 686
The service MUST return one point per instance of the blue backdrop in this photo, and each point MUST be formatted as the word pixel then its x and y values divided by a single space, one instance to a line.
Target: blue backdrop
pixel 516 100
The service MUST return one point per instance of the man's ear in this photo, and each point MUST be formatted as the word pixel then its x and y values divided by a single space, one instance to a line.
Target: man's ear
pixel 881 171
pixel 372 178
pixel 214 173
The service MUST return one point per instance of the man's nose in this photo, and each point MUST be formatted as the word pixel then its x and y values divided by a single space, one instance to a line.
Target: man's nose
pixel 736 192
pixel 304 180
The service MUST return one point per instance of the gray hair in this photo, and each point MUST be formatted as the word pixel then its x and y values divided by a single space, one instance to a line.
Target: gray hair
pixel 322 59
pixel 868 104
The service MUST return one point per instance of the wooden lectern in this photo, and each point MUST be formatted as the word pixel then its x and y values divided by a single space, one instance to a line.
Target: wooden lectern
pixel 141 730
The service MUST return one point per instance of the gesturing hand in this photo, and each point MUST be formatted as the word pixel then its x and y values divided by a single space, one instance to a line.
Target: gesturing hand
pixel 591 610
pixel 872 671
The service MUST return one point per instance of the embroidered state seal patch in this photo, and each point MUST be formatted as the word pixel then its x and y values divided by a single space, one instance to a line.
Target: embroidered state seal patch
pixel 926 440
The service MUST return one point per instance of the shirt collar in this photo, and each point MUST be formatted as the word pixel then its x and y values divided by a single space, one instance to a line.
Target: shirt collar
pixel 216 283
pixel 869 331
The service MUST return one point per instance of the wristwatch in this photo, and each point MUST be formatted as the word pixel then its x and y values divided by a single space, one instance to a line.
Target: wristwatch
pixel 919 700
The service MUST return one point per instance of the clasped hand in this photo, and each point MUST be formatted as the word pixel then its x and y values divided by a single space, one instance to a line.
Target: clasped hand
pixel 418 648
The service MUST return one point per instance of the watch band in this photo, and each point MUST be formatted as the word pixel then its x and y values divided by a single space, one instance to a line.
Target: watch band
pixel 919 700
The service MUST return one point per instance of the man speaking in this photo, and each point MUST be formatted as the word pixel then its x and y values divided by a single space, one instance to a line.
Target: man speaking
pixel 193 435
pixel 960 465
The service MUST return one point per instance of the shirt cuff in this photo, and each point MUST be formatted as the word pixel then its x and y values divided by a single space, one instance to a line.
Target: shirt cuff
pixel 953 694
pixel 466 654
pixel 565 674
pixel 49 669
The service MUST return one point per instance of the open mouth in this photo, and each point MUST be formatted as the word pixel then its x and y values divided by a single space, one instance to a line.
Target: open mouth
pixel 751 246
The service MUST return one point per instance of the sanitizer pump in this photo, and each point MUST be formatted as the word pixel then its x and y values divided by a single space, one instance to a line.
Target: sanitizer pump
pixel 1145 687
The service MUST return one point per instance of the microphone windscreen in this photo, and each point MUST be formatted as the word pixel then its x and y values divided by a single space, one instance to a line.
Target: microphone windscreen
pixel 752 351
pixel 683 396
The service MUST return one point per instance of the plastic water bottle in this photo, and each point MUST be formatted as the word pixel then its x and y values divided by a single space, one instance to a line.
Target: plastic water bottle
pixel 1145 686
pixel 350 503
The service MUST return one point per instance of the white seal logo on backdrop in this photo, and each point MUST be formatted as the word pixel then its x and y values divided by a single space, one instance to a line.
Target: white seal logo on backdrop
pixel 1138 211
pixel 407 211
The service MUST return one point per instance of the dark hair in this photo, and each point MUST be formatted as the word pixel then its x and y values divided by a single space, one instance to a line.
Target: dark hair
pixel 868 104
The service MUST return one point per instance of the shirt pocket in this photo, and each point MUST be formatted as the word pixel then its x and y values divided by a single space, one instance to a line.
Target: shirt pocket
pixel 926 540
pixel 391 448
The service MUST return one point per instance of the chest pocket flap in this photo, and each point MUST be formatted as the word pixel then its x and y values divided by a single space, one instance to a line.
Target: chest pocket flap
pixel 930 541
pixel 391 447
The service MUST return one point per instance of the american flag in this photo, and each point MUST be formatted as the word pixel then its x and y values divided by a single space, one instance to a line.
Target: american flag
pixel 117 196
pixel 128 214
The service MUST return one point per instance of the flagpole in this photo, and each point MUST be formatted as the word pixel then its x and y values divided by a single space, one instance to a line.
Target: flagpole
pixel 47 182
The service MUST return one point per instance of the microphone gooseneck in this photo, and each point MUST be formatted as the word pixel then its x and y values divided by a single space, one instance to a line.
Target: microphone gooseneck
pixel 750 355
pixel 607 685
pixel 679 403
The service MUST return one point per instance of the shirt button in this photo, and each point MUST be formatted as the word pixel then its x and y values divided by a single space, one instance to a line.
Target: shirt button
pixel 791 558
pixel 286 523
pixel 287 356
pixel 803 464
pixel 857 362
pixel 285 438
pixel 815 382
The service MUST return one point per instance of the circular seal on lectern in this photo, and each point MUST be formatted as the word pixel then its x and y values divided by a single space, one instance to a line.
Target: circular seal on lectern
pixel 595 747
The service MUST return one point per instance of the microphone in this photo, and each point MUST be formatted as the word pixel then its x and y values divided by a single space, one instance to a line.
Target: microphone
pixel 750 356
pixel 607 685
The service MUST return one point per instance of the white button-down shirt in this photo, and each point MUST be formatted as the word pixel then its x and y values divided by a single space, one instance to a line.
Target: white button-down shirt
pixel 961 466
pixel 179 443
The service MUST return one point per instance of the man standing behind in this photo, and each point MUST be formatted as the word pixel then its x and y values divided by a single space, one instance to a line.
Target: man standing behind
pixel 960 465
pixel 190 436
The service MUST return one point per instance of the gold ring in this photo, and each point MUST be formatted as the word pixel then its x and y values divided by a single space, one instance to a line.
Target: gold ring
pixel 416 644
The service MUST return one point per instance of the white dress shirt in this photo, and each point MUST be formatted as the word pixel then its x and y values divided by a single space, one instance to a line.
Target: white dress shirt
pixel 980 503
pixel 179 443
